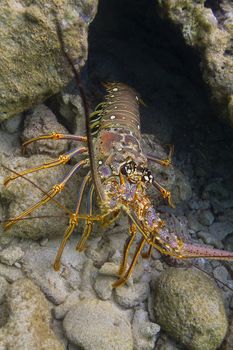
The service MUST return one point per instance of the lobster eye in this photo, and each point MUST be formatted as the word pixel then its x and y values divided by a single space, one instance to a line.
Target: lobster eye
pixel 128 168
pixel 147 176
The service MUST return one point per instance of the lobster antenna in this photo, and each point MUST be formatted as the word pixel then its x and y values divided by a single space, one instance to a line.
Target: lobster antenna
pixel 95 178
pixel 39 188
pixel 33 217
pixel 209 274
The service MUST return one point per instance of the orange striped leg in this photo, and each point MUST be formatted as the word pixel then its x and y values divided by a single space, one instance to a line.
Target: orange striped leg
pixel 47 197
pixel 124 278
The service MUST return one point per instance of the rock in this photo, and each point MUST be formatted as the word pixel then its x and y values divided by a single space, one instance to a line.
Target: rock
pixel 220 230
pixel 227 344
pixel 11 255
pixel 103 286
pixel 106 277
pixel 206 217
pixel 10 273
pixel 188 306
pixel 12 125
pixel 144 331
pixel 38 265
pixel 28 326
pixel 209 239
pixel 42 121
pixel 133 295
pixel 3 288
pixel 210 31
pixel 166 343
pixel 108 327
pixel 40 69
pixel 221 274
pixel 61 310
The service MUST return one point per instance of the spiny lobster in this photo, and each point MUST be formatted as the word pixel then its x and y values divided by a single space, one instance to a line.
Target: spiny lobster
pixel 119 177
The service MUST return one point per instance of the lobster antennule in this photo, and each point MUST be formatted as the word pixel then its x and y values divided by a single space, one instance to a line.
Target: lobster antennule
pixel 201 251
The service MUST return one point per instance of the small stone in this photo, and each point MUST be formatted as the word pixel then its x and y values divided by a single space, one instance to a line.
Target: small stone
pixel 133 295
pixel 44 242
pixel 28 326
pixel 109 269
pixel 194 224
pixel 12 125
pixel 18 265
pixel 144 331
pixel 61 310
pixel 103 286
pixel 3 288
pixel 209 239
pixel 10 273
pixel 221 229
pixel 98 325
pixel 206 217
pixel 11 255
pixel 221 274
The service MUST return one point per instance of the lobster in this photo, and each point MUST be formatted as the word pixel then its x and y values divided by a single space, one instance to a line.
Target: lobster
pixel 120 179
pixel 119 176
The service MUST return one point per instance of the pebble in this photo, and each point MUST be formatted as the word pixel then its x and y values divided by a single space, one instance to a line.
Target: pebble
pixel 98 325
pixel 103 286
pixel 28 326
pixel 221 229
pixel 145 332
pixel 221 274
pixel 10 273
pixel 133 295
pixel 12 125
pixel 209 239
pixel 11 255
pixel 206 217
pixel 3 288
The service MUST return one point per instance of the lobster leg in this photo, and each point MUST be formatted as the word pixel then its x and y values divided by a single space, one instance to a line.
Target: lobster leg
pixel 89 224
pixel 63 159
pixel 72 224
pixel 56 136
pixel 52 193
pixel 164 162
pixel 147 254
pixel 124 278
pixel 128 243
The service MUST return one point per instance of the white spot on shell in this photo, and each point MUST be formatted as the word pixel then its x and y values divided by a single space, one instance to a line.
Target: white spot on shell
pixel 112 117
pixel 115 107
pixel 115 89
pixel 112 96
pixel 137 98
pixel 100 162
pixel 138 127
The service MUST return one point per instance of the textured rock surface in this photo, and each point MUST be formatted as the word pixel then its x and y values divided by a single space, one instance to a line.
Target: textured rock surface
pixel 28 326
pixel 208 26
pixel 31 64
pixel 188 306
pixel 42 121
pixel 108 328
pixel 144 331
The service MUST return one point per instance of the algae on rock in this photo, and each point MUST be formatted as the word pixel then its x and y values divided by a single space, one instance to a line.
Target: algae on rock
pixel 32 67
